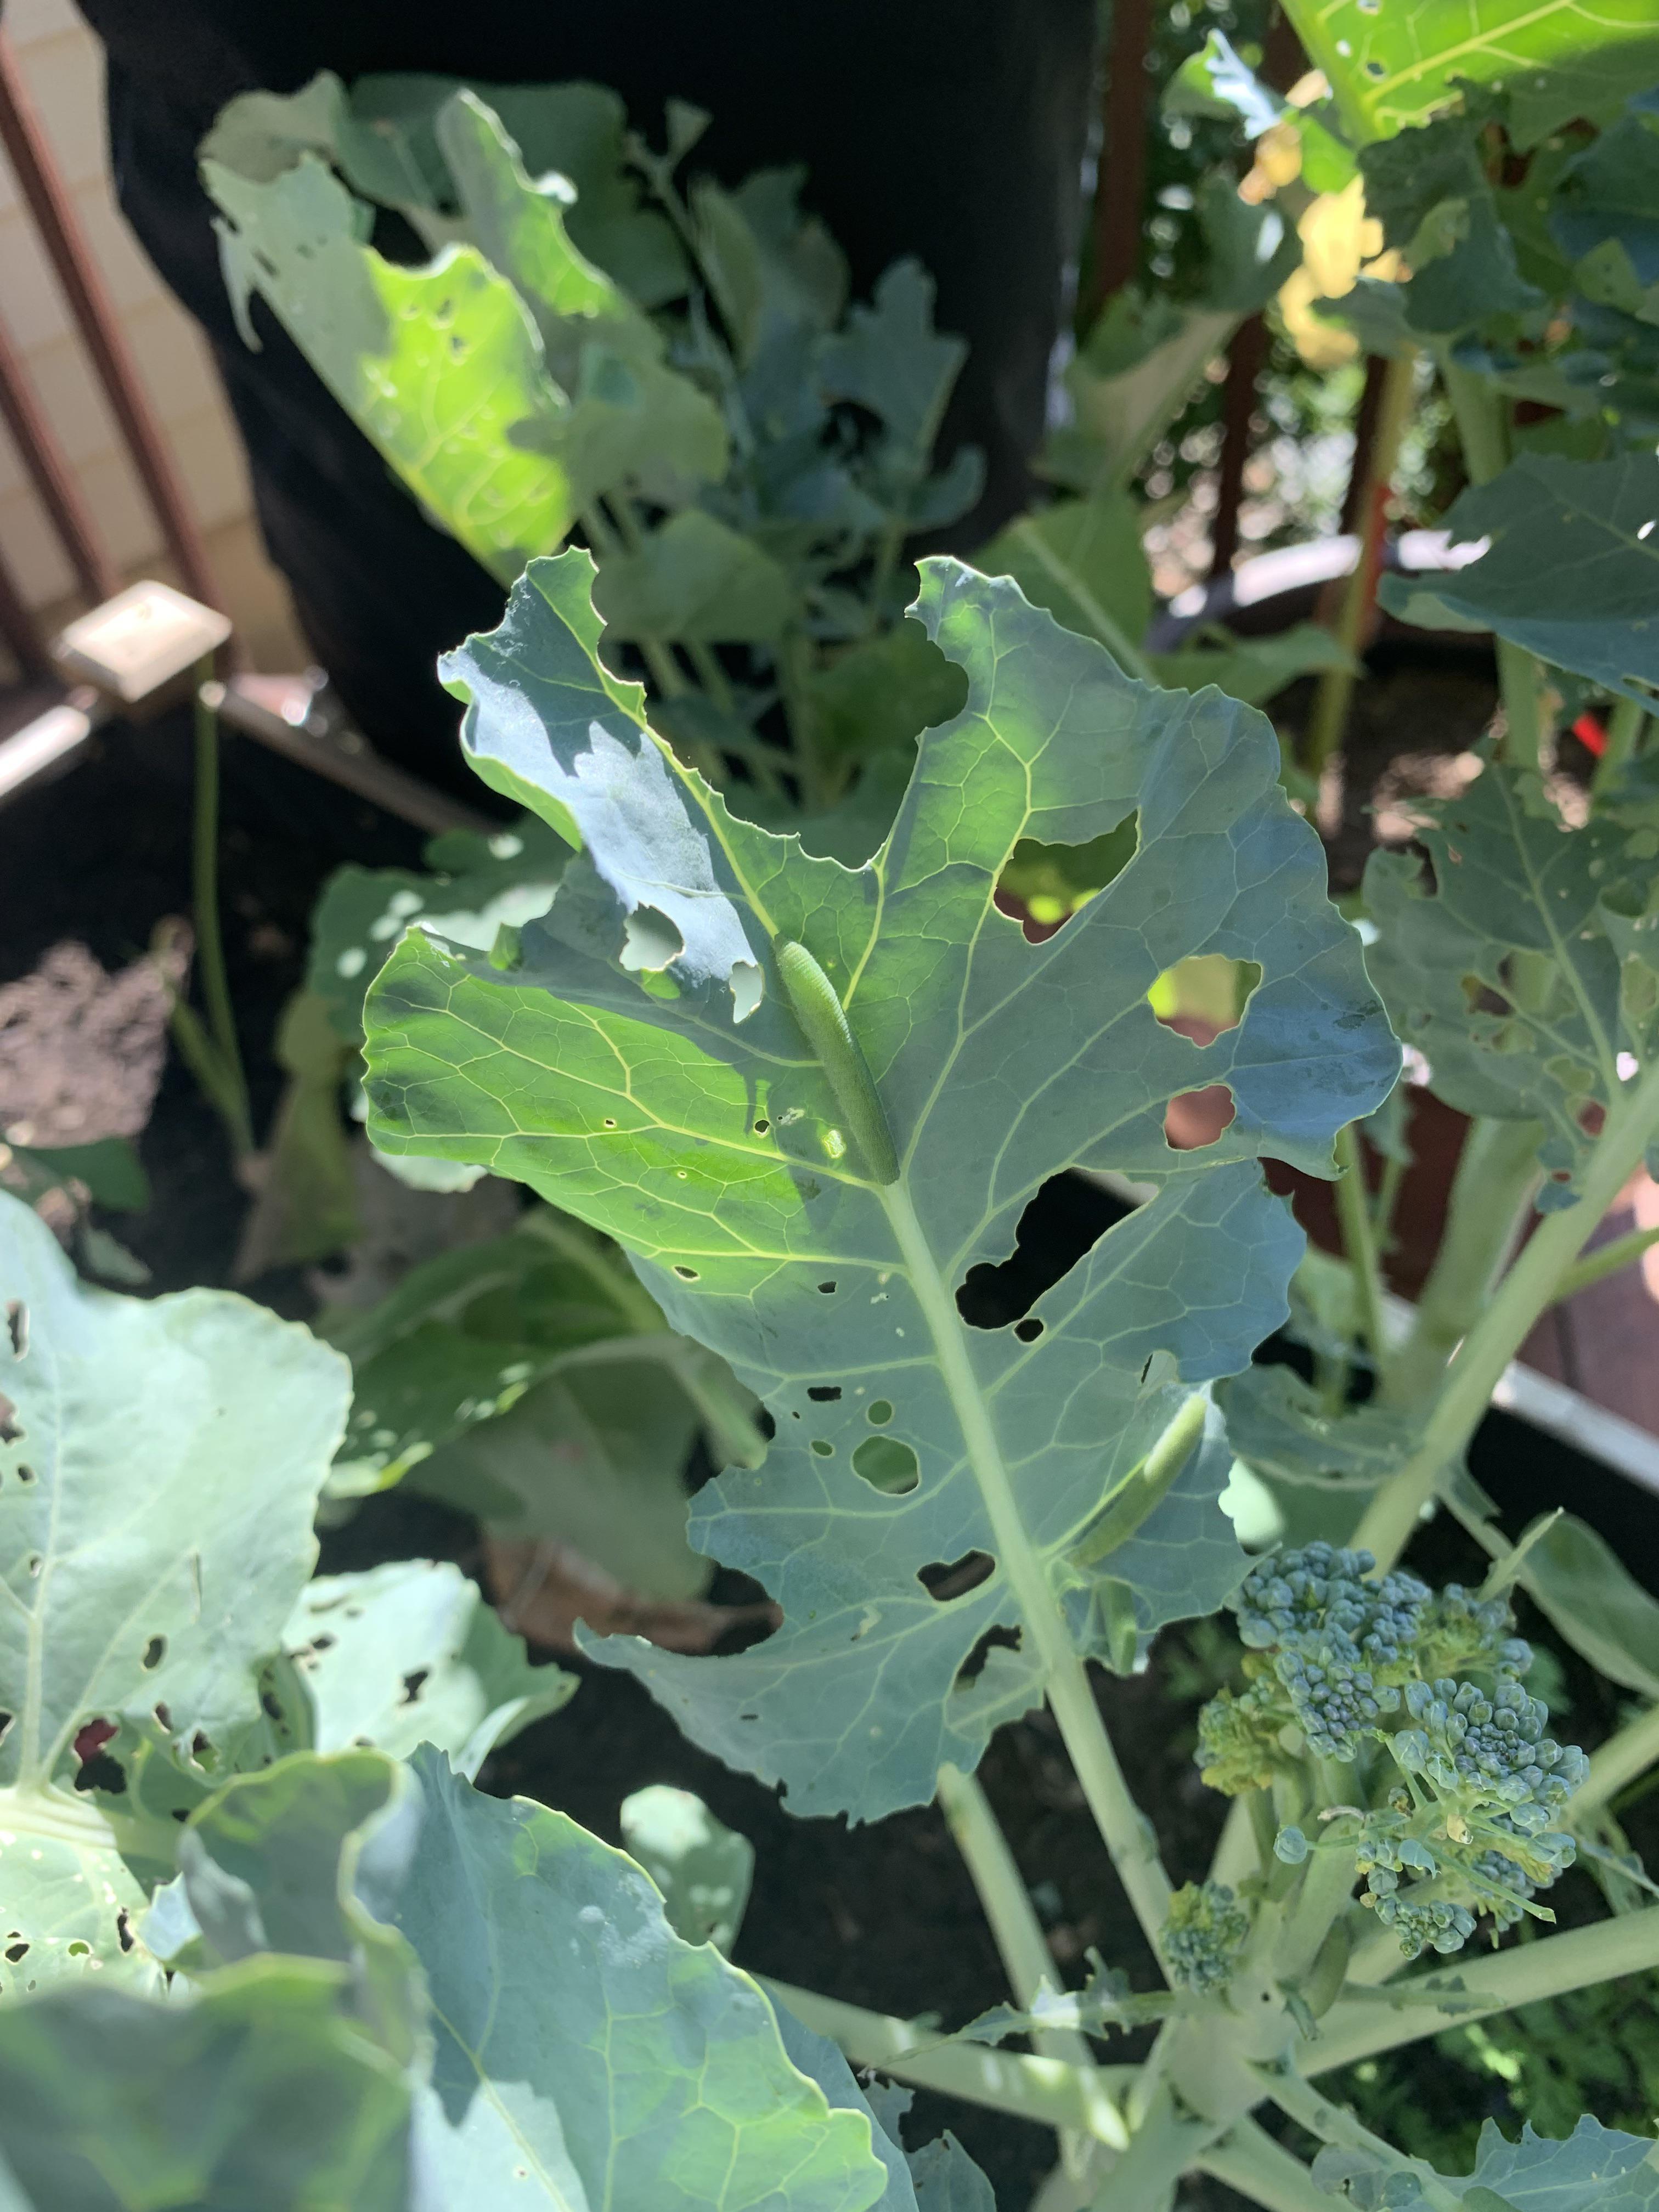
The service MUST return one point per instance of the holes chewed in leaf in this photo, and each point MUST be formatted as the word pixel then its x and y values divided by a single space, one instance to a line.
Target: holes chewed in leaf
pixel 888 1466
pixel 828 1289
pixel 413 1684
pixel 1029 1330
pixel 946 1579
pixel 17 1953
pixel 155 1651
pixel 10 1427
pixel 17 1327
pixel 822 1448
pixel 1197 1118
pixel 686 1275
pixel 879 1412
pixel 1043 886
pixel 994 1639
pixel 123 1928
pixel 823 1393
pixel 1068 1215
pixel 1203 997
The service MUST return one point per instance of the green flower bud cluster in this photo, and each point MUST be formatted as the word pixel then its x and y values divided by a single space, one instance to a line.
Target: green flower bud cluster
pixel 1457 1785
pixel 1203 1936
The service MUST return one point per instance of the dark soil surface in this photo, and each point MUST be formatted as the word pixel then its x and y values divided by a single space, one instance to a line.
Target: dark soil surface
pixel 883 1916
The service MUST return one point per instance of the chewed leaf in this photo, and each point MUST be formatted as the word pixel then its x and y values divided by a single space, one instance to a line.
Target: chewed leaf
pixel 920 1510
pixel 546 725
pixel 1511 963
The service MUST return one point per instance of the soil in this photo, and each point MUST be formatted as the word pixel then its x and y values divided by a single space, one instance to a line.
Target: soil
pixel 884 1915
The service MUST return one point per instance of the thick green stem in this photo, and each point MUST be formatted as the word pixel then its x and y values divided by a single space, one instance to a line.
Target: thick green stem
pixel 1361 2027
pixel 1498 1335
pixel 1496 1174
pixel 230 1093
pixel 1606 1260
pixel 1483 431
pixel 1122 1825
pixel 1008 1907
pixel 1040 2089
pixel 1248 2160
pixel 1624 730
pixel 1326 1892
pixel 1354 1215
pixel 1330 717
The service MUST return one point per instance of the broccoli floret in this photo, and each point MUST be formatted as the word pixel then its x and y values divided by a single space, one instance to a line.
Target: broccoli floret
pixel 1470 1832
pixel 1203 1936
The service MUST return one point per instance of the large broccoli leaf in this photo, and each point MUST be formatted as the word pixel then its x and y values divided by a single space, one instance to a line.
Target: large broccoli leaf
pixel 1394 65
pixel 159 1464
pixel 581 2052
pixel 1514 962
pixel 1595 2169
pixel 643 1062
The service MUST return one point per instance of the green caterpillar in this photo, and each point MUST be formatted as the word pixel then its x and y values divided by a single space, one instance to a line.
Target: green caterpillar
pixel 823 1020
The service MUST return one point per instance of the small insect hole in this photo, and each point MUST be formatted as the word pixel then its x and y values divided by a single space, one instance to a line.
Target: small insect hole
pixel 25 1474
pixel 11 1428
pixel 155 1652
pixel 823 1393
pixel 879 1412
pixel 686 1275
pixel 17 1952
pixel 827 1289
pixel 17 1326
pixel 123 1928
pixel 762 1126
pixel 610 1121
pixel 994 1639
pixel 822 1448
pixel 1029 1330
pixel 412 1684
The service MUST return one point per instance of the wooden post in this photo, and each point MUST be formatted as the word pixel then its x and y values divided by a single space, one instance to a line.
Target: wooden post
pixel 1121 178
pixel 1245 358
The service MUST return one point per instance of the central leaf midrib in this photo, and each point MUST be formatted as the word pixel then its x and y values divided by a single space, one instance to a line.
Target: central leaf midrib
pixel 1014 1551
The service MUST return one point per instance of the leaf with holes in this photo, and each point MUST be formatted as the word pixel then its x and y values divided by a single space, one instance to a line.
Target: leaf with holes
pixel 1514 962
pixel 935 1488
pixel 1397 65
pixel 1571 572
pixel 411 1653
pixel 509 381
pixel 148 1574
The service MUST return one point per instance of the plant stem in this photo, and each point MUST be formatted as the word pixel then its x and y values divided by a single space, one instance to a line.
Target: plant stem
pixel 1336 2123
pixel 1483 432
pixel 1496 1336
pixel 1105 625
pixel 1361 2027
pixel 1326 1892
pixel 1122 1825
pixel 1353 1214
pixel 1040 2089
pixel 1496 1174
pixel 1621 1758
pixel 1623 742
pixel 1330 717
pixel 1248 2160
pixel 1606 1260
pixel 1013 1920
pixel 231 1092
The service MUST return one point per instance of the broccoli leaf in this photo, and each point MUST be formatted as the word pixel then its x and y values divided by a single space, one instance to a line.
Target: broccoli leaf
pixel 665 1091
pixel 1393 66
pixel 1512 967
pixel 411 1653
pixel 260 2091
pixel 581 2052
pixel 149 1576
pixel 1571 572
pixel 703 1868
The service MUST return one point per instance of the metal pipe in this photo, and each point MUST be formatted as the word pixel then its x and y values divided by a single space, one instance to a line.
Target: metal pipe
pixel 61 234
pixel 52 478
